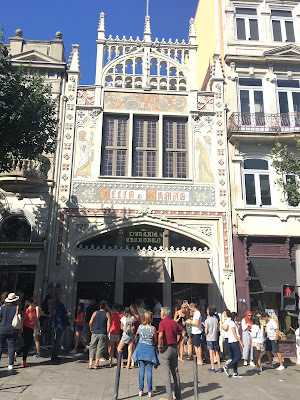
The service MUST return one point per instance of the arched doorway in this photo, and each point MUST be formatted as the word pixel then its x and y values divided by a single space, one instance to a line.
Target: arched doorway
pixel 143 261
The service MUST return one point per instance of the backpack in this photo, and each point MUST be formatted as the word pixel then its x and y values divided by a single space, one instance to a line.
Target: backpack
pixel 129 326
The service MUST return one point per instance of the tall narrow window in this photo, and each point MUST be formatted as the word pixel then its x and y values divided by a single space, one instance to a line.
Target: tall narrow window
pixel 246 24
pixel 283 26
pixel 145 147
pixel 252 102
pixel 175 148
pixel 114 149
pixel 289 102
pixel 257 182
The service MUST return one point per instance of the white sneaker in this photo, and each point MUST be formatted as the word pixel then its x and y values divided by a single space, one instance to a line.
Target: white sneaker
pixel 10 367
pixel 36 355
pixel 86 349
pixel 280 368
pixel 252 364
pixel 236 375
pixel 73 351
pixel 62 348
pixel 245 363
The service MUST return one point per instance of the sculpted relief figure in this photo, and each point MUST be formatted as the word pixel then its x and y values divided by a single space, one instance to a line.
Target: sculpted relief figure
pixel 86 154
pixel 203 154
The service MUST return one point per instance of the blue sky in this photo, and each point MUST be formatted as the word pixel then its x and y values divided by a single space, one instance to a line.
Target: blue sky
pixel 78 21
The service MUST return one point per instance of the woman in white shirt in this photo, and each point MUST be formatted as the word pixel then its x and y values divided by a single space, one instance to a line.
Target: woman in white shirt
pixel 257 334
pixel 234 343
pixel 225 332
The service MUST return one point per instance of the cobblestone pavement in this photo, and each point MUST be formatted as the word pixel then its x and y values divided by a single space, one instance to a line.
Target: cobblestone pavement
pixel 71 380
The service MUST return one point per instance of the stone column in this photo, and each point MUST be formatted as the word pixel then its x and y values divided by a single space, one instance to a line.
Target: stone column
pixel 119 280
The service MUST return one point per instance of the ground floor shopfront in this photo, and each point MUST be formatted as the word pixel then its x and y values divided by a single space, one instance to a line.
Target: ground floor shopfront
pixel 122 259
pixel 262 265
pixel 22 268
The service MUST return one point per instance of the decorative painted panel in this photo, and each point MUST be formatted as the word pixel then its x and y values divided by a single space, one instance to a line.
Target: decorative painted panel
pixel 86 97
pixel 130 193
pixel 145 102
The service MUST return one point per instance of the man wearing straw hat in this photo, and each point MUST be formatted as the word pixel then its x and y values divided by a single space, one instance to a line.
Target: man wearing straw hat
pixel 7 331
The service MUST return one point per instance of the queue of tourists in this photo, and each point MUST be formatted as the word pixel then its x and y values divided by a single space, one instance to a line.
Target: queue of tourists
pixel 152 339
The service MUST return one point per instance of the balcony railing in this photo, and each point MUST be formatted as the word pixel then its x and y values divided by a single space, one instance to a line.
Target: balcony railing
pixel 25 174
pixel 260 122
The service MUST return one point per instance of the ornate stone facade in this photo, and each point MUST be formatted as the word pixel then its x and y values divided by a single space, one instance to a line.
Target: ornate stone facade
pixel 137 82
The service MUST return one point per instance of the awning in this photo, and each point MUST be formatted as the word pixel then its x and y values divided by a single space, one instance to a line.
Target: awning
pixel 144 269
pixel 191 270
pixel 20 257
pixel 273 272
pixel 95 269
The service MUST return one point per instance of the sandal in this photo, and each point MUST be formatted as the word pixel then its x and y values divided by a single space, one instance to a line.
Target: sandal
pixel 24 365
pixel 128 367
pixel 89 366
pixel 97 367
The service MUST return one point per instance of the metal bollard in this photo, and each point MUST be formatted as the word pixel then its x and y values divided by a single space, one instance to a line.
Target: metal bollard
pixel 195 377
pixel 120 354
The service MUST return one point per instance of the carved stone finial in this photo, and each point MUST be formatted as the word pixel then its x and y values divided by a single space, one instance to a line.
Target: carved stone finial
pixel 101 26
pixel 19 33
pixel 74 64
pixel 192 31
pixel 59 35
pixel 147 29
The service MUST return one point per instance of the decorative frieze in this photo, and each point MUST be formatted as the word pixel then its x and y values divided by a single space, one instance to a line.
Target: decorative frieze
pixel 130 193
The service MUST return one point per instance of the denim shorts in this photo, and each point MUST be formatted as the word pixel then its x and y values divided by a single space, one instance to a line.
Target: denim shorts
pixel 213 346
pixel 271 345
pixel 79 328
pixel 197 339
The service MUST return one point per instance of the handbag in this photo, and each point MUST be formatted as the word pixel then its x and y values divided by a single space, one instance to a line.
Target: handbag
pixel 17 320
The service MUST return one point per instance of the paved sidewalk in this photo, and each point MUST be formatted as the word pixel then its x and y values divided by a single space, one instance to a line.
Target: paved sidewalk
pixel 71 380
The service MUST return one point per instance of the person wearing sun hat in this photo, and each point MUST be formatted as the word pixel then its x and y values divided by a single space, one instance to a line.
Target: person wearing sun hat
pixel 7 332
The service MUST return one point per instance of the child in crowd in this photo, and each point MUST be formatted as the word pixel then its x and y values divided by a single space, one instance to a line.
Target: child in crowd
pixel 79 325
pixel 257 334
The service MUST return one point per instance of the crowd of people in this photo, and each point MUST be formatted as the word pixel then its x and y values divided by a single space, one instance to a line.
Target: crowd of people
pixel 152 338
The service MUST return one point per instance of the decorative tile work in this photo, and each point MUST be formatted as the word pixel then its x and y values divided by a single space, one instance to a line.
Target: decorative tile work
pixel 145 102
pixel 130 193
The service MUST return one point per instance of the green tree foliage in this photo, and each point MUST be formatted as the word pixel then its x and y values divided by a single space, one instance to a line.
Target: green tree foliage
pixel 287 166
pixel 28 123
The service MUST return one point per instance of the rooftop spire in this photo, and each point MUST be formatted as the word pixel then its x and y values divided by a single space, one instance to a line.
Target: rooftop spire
pixel 147 29
pixel 101 26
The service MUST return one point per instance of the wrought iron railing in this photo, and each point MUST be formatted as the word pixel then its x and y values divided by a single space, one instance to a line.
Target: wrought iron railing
pixel 260 122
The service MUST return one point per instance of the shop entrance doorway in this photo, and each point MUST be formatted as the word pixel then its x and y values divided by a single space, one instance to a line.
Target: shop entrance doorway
pixel 190 292
pixel 145 291
pixel 96 290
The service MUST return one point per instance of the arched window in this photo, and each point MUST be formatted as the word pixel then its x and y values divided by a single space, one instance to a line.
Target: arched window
pixel 256 176
pixel 15 229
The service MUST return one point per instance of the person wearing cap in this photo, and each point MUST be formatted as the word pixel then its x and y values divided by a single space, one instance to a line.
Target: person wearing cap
pixel 7 331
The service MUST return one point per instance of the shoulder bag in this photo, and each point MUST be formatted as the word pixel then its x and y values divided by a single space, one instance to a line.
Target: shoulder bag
pixel 17 320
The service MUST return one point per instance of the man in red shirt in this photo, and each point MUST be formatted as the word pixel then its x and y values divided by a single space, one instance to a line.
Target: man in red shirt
pixel 167 346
